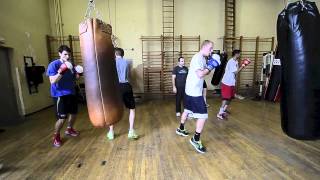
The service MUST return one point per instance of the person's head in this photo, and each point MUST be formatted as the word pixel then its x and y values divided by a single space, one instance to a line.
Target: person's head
pixel 64 52
pixel 181 61
pixel 206 47
pixel 119 52
pixel 236 53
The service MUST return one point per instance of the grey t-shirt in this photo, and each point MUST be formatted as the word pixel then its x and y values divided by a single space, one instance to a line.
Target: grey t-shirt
pixel 122 69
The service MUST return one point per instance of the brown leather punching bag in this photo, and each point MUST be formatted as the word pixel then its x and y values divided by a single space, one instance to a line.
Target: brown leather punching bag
pixel 101 80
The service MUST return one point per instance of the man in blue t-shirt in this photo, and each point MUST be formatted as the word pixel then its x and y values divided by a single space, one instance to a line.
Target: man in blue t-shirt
pixel 62 77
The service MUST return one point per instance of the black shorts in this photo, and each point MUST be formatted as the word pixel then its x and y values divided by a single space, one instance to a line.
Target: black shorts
pixel 204 84
pixel 127 95
pixel 65 105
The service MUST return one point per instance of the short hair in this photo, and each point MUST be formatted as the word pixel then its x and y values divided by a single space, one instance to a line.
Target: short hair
pixel 64 48
pixel 119 52
pixel 236 51
pixel 205 42
pixel 180 58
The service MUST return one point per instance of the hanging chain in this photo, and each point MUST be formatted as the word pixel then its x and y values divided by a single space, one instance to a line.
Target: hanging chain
pixel 92 7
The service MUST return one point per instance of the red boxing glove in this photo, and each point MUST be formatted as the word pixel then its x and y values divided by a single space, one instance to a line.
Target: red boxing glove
pixel 64 67
pixel 245 62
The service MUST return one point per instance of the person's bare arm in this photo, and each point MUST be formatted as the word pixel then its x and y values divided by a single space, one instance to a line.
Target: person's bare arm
pixel 202 73
pixel 174 88
pixel 55 78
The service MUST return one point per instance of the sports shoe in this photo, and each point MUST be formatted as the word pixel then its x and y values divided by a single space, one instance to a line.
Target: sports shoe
pixel 183 133
pixel 239 96
pixel 132 135
pixel 178 114
pixel 207 105
pixel 220 116
pixel 110 135
pixel 198 145
pixel 56 140
pixel 71 132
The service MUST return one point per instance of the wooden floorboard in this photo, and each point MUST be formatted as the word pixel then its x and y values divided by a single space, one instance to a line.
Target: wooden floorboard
pixel 250 145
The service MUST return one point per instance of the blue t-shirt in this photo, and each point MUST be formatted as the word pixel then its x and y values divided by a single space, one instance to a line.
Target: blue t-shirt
pixel 66 85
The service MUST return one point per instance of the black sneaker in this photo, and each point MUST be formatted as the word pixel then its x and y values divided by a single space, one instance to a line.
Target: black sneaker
pixel 198 146
pixel 183 133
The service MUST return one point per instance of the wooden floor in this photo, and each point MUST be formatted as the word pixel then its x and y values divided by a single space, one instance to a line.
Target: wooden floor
pixel 250 145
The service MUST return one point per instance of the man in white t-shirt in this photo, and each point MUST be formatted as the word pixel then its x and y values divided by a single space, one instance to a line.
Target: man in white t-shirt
pixel 194 101
pixel 228 82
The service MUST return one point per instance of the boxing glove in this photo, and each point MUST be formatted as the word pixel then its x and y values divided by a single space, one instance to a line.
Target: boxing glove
pixel 213 62
pixel 65 67
pixel 79 69
pixel 245 62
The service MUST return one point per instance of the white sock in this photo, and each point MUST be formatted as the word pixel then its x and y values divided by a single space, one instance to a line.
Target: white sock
pixel 221 111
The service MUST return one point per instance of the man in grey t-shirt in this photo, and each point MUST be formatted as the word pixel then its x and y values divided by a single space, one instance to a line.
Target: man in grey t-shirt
pixel 126 93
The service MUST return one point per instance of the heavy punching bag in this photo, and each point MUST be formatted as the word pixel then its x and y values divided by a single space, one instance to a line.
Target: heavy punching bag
pixel 298 30
pixel 101 80
pixel 273 81
pixel 218 72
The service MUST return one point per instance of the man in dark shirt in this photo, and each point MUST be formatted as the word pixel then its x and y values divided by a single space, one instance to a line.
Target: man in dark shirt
pixel 179 76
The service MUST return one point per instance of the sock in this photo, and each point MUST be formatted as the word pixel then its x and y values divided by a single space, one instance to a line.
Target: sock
pixel 221 111
pixel 225 108
pixel 181 126
pixel 196 136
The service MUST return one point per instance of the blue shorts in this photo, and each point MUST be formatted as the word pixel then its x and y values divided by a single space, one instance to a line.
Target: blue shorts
pixel 196 106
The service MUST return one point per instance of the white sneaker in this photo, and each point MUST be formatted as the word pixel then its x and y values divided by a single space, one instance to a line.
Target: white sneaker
pixel 220 116
pixel 239 97
pixel 178 114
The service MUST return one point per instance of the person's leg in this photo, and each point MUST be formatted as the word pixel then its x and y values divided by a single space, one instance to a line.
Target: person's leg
pixel 71 120
pixel 179 97
pixel 205 95
pixel 226 94
pixel 131 118
pixel 72 109
pixel 132 134
pixel 110 134
pixel 201 113
pixel 181 129
pixel 58 126
pixel 61 116
pixel 187 106
pixel 129 102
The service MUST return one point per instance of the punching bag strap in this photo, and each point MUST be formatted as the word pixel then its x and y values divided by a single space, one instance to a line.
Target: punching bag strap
pixel 302 2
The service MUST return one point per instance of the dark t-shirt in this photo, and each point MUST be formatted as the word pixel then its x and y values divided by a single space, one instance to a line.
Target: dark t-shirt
pixel 181 75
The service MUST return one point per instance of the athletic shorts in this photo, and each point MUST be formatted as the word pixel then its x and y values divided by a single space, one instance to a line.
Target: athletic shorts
pixel 127 95
pixel 196 106
pixel 65 105
pixel 227 92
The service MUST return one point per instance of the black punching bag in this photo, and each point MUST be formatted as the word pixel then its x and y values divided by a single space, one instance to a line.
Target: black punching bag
pixel 219 71
pixel 298 30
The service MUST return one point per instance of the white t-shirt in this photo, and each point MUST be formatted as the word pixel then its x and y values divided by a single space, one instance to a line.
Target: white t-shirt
pixel 194 84
pixel 229 77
